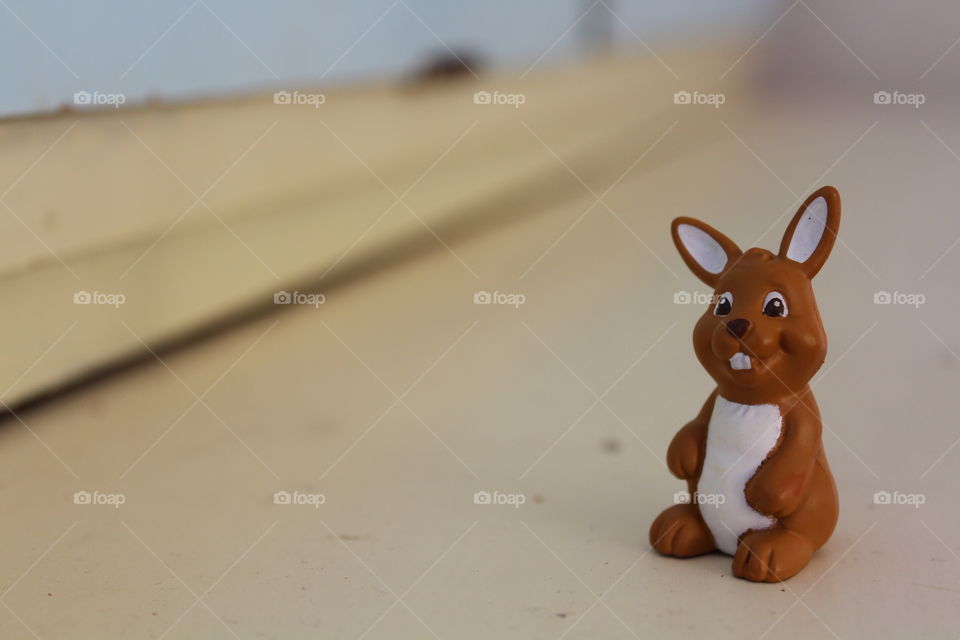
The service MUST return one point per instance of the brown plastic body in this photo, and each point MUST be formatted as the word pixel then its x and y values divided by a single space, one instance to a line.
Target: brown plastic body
pixel 794 483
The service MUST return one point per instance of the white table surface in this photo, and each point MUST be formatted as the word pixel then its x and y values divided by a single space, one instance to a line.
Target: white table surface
pixel 399 399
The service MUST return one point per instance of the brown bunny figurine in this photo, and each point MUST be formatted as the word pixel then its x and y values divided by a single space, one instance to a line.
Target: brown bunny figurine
pixel 753 457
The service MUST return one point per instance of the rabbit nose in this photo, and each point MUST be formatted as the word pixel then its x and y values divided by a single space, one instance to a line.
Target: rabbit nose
pixel 738 327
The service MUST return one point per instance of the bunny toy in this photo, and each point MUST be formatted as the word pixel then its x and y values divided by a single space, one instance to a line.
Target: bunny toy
pixel 761 489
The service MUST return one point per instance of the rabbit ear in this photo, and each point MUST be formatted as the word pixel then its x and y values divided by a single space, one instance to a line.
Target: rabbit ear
pixel 705 250
pixel 813 230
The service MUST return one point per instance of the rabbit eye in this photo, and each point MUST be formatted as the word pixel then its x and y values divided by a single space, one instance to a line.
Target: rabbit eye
pixel 724 304
pixel 774 305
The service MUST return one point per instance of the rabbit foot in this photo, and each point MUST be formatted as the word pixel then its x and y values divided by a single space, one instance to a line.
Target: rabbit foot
pixel 772 555
pixel 681 532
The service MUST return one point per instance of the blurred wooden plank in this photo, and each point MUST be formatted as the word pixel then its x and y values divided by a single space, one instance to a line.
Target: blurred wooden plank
pixel 310 197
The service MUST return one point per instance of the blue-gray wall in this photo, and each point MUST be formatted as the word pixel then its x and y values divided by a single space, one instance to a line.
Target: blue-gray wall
pixel 176 49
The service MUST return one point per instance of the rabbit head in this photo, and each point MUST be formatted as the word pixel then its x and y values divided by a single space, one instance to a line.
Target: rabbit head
pixel 761 337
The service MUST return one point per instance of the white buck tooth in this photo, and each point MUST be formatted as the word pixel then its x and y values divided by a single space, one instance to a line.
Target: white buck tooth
pixel 740 361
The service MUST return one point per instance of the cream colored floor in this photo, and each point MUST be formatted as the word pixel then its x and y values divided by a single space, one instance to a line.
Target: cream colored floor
pixel 400 398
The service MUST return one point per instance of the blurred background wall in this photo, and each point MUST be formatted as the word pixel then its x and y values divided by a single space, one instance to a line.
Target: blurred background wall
pixel 185 49
pixel 841 47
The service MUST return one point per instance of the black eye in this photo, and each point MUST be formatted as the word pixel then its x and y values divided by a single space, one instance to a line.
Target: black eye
pixel 774 305
pixel 724 304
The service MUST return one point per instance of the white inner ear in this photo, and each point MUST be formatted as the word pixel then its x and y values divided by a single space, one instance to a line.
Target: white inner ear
pixel 705 250
pixel 809 231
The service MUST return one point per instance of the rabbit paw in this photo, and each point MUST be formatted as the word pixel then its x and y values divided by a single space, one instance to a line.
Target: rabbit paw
pixel 681 532
pixel 684 454
pixel 772 555
pixel 768 495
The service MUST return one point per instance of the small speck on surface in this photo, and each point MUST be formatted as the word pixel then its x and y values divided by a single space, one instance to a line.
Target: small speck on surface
pixel 611 445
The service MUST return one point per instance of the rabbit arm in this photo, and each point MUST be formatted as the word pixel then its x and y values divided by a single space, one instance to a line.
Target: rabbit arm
pixel 780 484
pixel 686 451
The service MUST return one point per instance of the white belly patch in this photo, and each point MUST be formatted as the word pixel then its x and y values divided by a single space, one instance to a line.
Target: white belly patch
pixel 739 438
